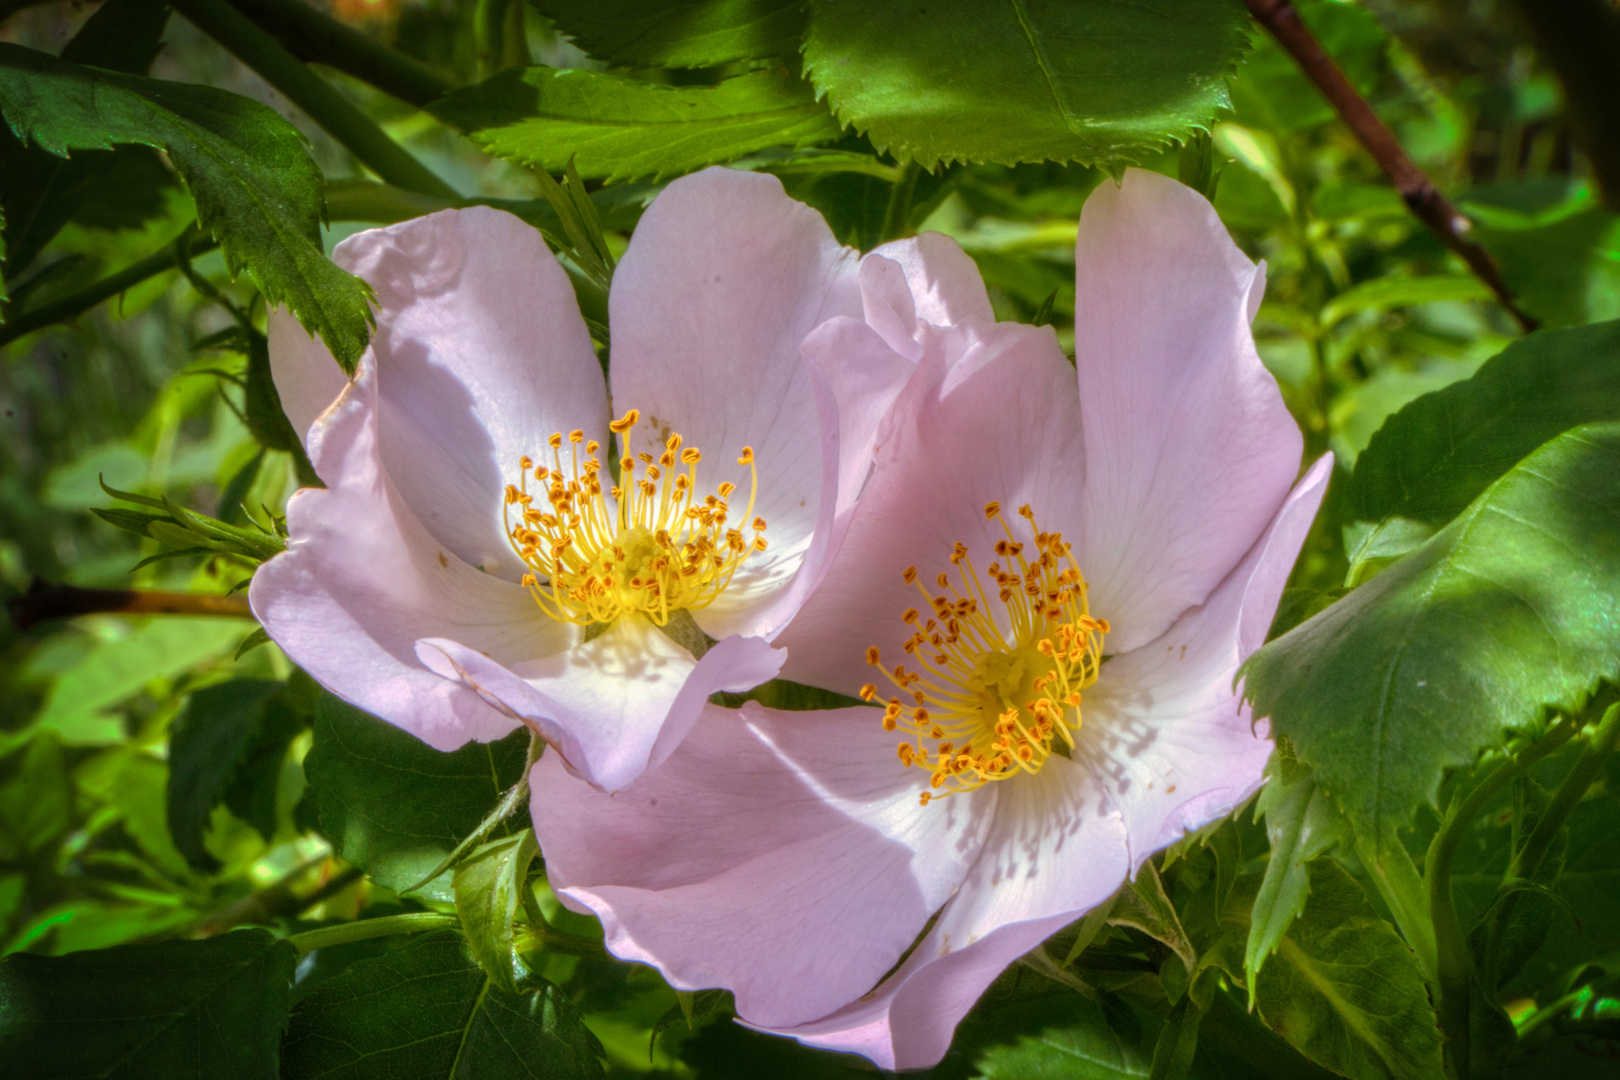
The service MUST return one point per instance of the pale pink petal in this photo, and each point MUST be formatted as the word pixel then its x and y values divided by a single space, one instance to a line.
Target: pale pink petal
pixel 361 580
pixel 1189 448
pixel 888 306
pixel 864 377
pixel 1056 850
pixel 1163 729
pixel 481 355
pixel 307 379
pixel 945 283
pixel 614 706
pixel 724 277
pixel 781 855
pixel 1001 424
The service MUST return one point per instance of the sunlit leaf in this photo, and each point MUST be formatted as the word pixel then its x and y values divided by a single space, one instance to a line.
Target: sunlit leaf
pixel 1032 80
pixel 1437 454
pixel 620 129
pixel 489 886
pixel 1507 611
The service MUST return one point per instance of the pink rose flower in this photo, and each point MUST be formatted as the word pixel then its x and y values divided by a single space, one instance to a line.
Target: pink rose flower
pixel 1049 582
pixel 473 564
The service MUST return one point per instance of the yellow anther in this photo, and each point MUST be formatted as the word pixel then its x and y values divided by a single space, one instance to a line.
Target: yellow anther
pixel 996 688
pixel 747 456
pixel 642 546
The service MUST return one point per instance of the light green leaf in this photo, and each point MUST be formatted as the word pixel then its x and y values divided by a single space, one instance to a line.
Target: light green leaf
pixel 1301 824
pixel 1507 611
pixel 1381 294
pixel 620 129
pixel 489 888
pixel 1437 454
pixel 392 804
pixel 1029 80
pixel 176 1010
pixel 425 1011
pixel 679 33
pixel 1346 991
pixel 113 671
pixel 256 188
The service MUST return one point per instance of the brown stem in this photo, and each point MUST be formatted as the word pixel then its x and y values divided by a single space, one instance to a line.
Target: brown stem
pixel 1421 196
pixel 44 601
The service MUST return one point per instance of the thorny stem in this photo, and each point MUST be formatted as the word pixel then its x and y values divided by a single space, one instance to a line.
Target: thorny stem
pixel 341 118
pixel 1455 965
pixel 1421 196
pixel 43 602
pixel 1527 860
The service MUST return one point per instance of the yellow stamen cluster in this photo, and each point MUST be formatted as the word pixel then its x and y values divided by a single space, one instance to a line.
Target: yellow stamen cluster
pixel 984 704
pixel 646 544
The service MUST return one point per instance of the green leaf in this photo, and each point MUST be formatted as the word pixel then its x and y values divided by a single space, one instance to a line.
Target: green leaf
pixel 489 889
pixel 1381 294
pixel 174 1010
pixel 227 746
pixel 1562 262
pixel 426 1010
pixel 395 806
pixel 1143 904
pixel 679 33
pixel 164 647
pixel 1030 80
pixel 619 129
pixel 1438 453
pixel 1177 1043
pixel 1301 823
pixel 42 191
pixel 1346 991
pixel 255 186
pixel 1507 611
pixel 1058 1037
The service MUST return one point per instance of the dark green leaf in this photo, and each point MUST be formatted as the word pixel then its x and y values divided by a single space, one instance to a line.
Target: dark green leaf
pixel 1056 1037
pixel 1178 1042
pixel 619 129
pixel 1345 989
pixel 426 1012
pixel 256 188
pixel 489 889
pixel 1507 611
pixel 1437 454
pixel 679 33
pixel 1033 80
pixel 41 191
pixel 174 1010
pixel 211 735
pixel 1561 261
pixel 395 806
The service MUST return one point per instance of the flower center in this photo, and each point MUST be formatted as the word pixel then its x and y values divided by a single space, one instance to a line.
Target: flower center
pixel 987 704
pixel 646 544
